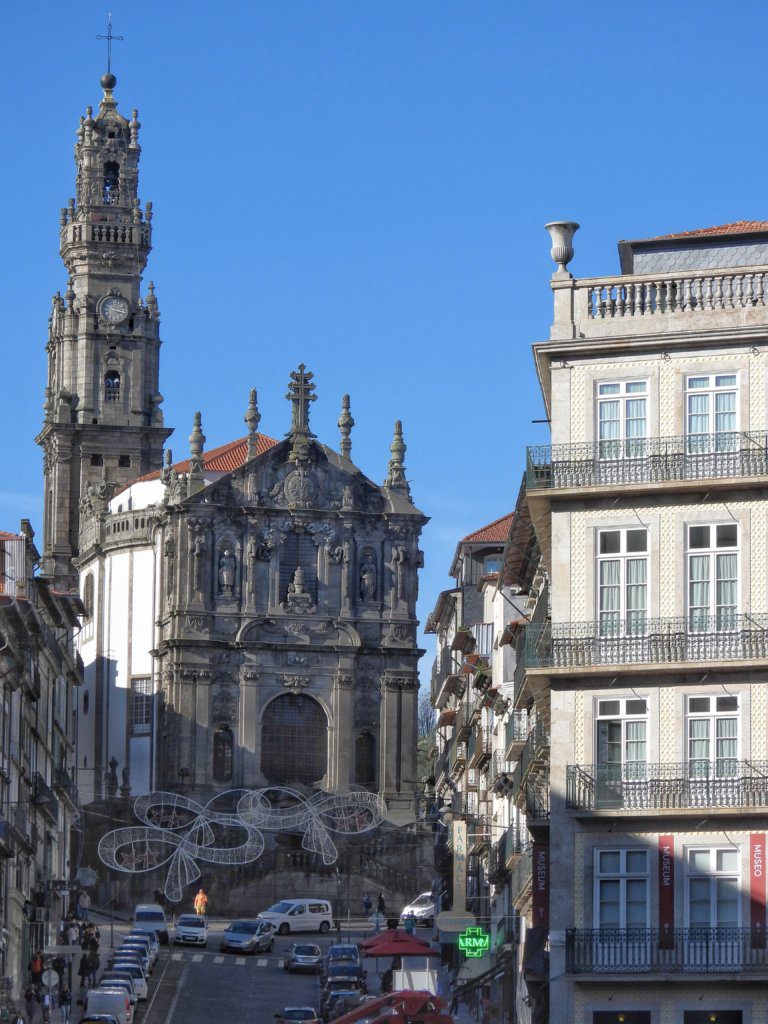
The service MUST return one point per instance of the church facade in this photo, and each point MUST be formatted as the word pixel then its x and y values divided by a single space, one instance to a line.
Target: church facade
pixel 250 612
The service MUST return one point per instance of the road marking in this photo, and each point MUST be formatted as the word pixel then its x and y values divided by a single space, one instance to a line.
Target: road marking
pixel 179 988
pixel 177 956
pixel 240 960
pixel 197 958
pixel 261 963
pixel 218 959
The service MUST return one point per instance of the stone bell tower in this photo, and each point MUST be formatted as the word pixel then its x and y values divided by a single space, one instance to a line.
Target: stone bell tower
pixel 103 424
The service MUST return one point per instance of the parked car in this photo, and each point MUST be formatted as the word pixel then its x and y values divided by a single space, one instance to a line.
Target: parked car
pixel 303 957
pixel 150 917
pixel 342 987
pixel 344 955
pixel 294 1013
pixel 110 1002
pixel 339 1002
pixel 121 978
pixel 131 954
pixel 248 937
pixel 140 950
pixel 352 974
pixel 135 972
pixel 150 937
pixel 300 916
pixel 99 1018
pixel 191 930
pixel 422 910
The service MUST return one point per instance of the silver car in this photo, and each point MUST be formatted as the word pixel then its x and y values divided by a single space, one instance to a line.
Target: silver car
pixel 248 937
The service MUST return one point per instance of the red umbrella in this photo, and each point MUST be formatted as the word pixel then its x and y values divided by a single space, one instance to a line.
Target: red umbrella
pixel 396 943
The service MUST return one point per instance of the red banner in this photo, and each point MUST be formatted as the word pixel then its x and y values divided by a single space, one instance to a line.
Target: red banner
pixel 540 916
pixel 757 889
pixel 666 892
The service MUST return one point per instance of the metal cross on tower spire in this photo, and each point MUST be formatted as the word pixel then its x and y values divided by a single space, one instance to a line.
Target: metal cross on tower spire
pixel 109 37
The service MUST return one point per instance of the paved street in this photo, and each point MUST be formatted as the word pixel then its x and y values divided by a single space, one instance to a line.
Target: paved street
pixel 207 987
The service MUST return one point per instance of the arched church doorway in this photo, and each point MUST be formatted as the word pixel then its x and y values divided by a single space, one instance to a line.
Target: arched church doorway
pixel 294 740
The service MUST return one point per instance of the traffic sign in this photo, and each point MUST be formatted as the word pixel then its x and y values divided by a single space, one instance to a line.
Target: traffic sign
pixel 50 978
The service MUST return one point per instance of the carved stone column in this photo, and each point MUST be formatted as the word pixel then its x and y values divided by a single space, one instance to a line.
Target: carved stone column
pixel 344 728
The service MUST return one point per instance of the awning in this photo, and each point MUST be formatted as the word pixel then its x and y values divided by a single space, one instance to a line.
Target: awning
pixel 446 717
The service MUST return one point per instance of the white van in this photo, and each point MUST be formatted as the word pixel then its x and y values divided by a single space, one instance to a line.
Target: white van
pixel 150 917
pixel 299 916
pixel 109 1000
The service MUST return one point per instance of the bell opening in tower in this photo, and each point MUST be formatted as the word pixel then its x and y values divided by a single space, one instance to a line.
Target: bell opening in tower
pixel 111 191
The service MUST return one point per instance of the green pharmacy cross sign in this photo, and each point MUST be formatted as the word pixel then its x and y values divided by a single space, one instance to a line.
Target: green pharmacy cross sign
pixel 474 942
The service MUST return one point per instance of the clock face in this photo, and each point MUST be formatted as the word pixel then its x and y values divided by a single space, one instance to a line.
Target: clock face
pixel 113 309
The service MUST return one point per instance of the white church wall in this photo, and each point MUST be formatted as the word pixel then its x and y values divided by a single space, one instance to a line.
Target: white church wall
pixel 117 638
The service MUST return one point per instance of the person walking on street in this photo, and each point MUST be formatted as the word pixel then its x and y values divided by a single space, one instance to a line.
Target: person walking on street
pixel 65 1004
pixel 82 973
pixel 94 962
pixel 46 1001
pixel 381 907
pixel 85 904
pixel 201 903
pixel 367 904
pixel 36 968
pixel 30 1003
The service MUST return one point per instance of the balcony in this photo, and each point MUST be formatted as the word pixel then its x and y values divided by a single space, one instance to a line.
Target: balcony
pixel 632 305
pixel 652 951
pixel 459 758
pixel 515 845
pixel 667 787
pixel 521 880
pixel 645 463
pixel 22 829
pixel 43 798
pixel 515 733
pixel 65 783
pixel 6 837
pixel 500 775
pixel 680 641
pixel 480 747
pixel 462 725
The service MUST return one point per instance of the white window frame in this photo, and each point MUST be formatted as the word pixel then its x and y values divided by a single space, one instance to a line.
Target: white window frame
pixel 717 766
pixel 717 618
pixel 706 442
pixel 625 444
pixel 713 874
pixel 604 616
pixel 623 875
pixel 626 714
pixel 141 698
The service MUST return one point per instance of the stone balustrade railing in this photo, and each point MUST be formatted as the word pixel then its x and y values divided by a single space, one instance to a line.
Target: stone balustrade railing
pixel 659 303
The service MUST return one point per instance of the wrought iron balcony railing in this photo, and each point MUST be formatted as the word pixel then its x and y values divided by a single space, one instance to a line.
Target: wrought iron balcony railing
pixel 659 787
pixel 515 732
pixel 42 797
pixel 665 951
pixel 648 460
pixel 643 641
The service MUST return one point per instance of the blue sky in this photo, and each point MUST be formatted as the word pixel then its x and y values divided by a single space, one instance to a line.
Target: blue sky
pixel 362 186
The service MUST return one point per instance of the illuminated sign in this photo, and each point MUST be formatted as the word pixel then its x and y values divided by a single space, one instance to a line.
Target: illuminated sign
pixel 474 942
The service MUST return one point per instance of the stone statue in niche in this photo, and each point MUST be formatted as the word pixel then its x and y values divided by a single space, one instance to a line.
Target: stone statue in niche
pixel 399 560
pixel 197 563
pixel 227 564
pixel 347 498
pixel 170 572
pixel 368 577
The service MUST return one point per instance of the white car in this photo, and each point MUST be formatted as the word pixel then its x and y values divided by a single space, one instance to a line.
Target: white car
pixel 191 930
pixel 422 909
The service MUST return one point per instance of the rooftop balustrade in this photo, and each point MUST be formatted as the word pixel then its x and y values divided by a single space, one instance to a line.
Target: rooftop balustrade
pixel 668 787
pixel 653 460
pixel 688 951
pixel 663 303
pixel 645 641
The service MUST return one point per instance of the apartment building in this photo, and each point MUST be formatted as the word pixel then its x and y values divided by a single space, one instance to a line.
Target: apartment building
pixel 39 669
pixel 651 676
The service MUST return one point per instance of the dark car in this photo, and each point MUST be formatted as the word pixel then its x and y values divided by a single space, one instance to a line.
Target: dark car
pixel 297 1013
pixel 346 987
pixel 344 953
pixel 339 1003
pixel 303 956
pixel 341 970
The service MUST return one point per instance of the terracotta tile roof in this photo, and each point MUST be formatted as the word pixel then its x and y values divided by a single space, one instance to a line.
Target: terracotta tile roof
pixel 739 227
pixel 9 536
pixel 494 532
pixel 223 459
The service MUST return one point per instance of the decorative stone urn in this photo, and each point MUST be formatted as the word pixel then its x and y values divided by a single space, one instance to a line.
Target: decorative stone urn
pixel 561 232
